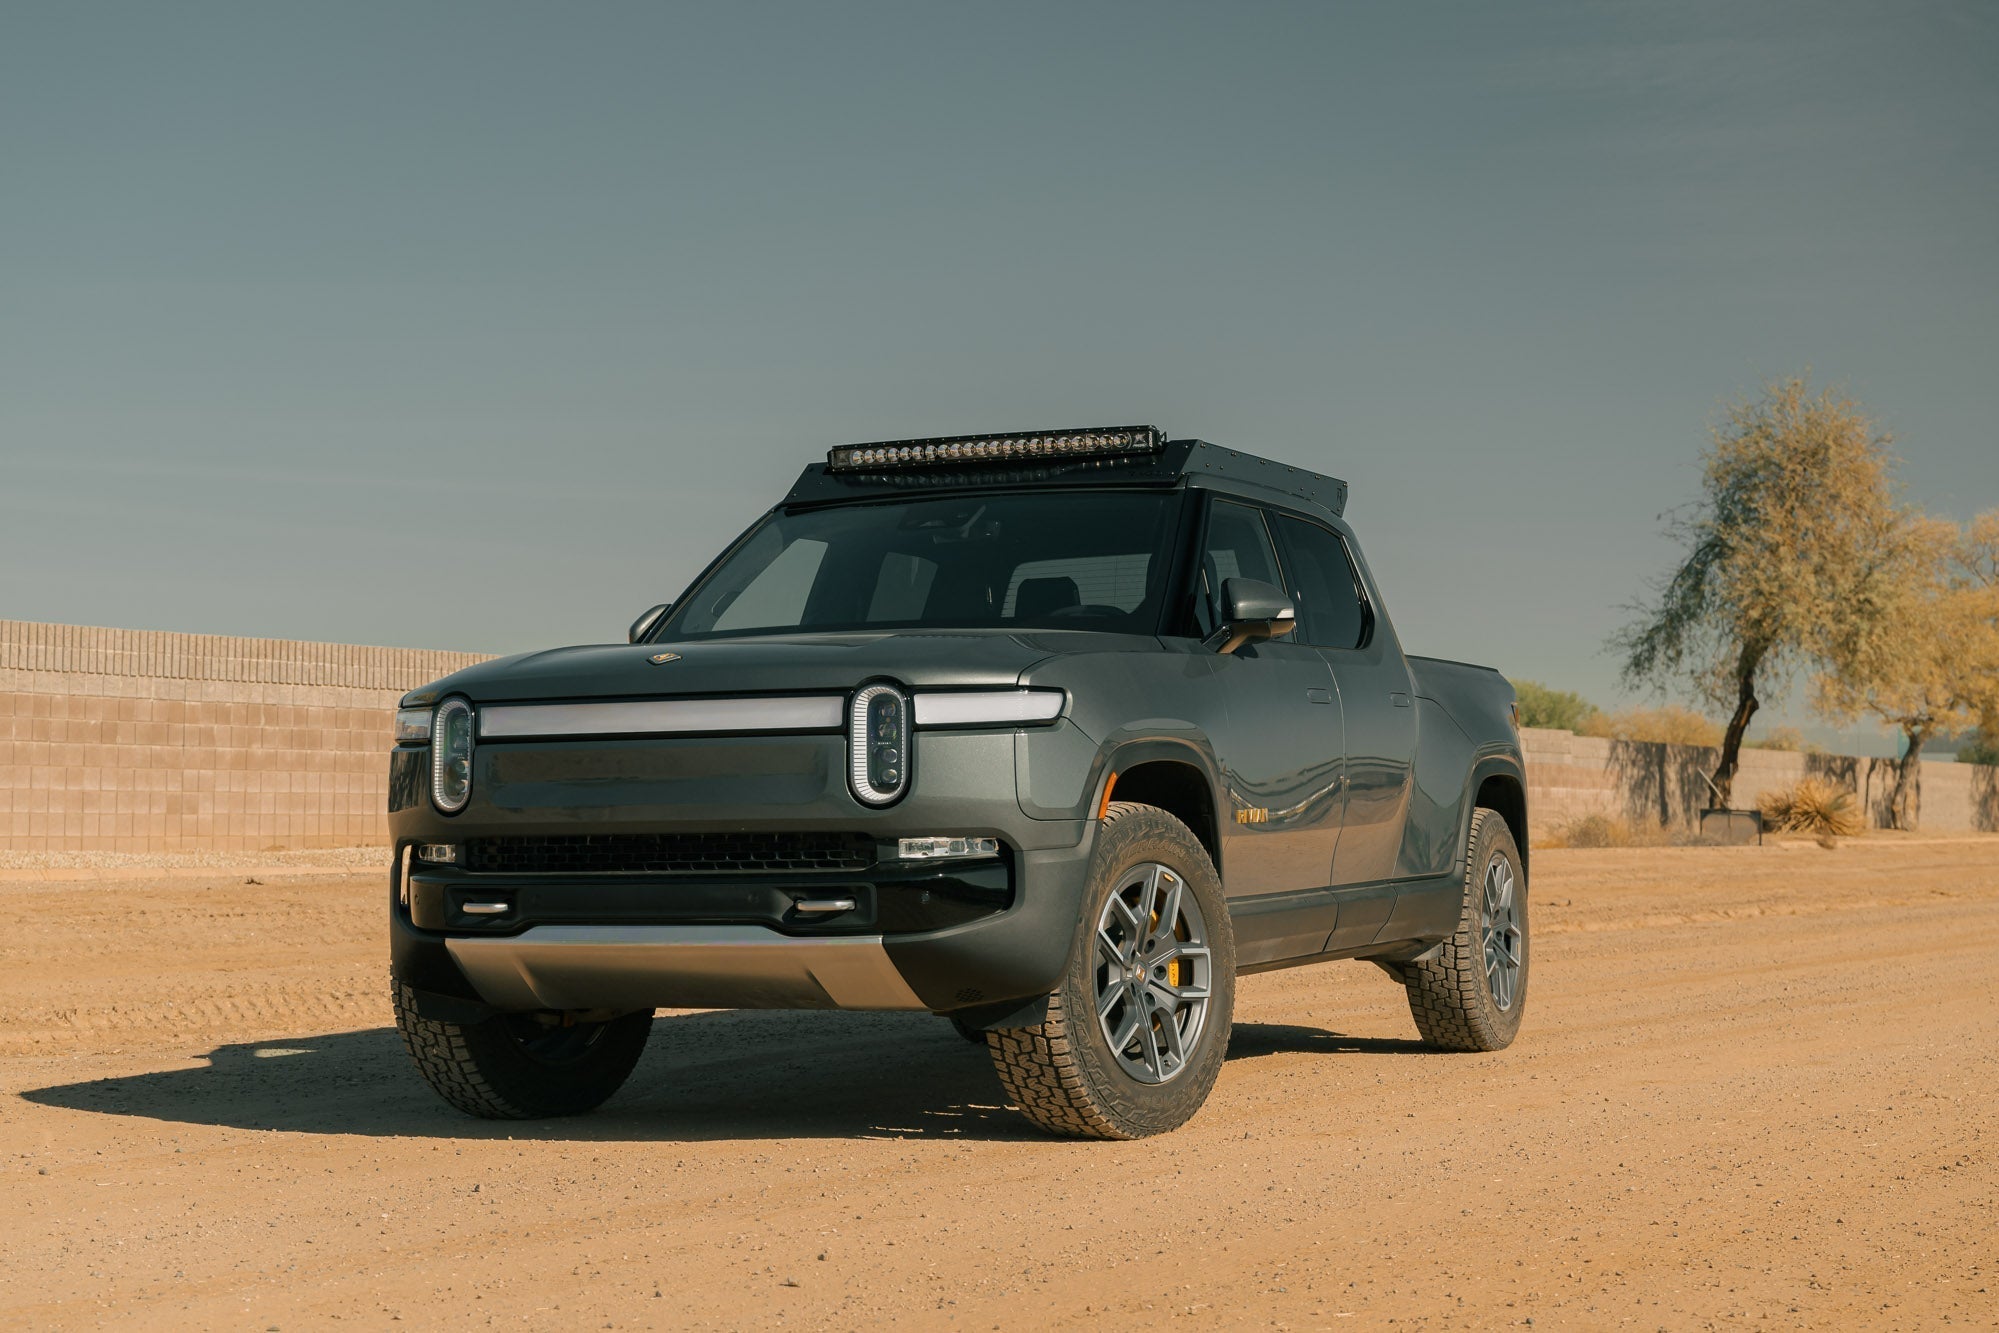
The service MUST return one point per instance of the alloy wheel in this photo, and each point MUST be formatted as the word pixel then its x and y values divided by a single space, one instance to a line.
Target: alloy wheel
pixel 1152 973
pixel 1499 925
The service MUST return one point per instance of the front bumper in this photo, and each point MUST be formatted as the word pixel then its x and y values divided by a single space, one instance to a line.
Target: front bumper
pixel 894 898
pixel 660 954
pixel 944 936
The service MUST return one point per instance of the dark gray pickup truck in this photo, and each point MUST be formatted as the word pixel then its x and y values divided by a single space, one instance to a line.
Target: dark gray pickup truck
pixel 1054 735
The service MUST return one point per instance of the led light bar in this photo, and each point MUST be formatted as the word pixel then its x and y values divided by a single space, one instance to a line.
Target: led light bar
pixel 958 450
pixel 979 708
pixel 659 717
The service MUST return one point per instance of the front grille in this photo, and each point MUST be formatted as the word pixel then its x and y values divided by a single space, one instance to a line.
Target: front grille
pixel 667 853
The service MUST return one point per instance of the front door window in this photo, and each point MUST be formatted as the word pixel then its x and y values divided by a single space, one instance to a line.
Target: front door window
pixel 1282 754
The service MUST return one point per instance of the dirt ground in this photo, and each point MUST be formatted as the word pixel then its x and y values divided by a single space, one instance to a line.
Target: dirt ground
pixel 1756 1087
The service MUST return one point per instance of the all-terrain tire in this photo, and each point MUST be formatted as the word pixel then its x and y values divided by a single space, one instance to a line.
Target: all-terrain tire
pixel 509 1067
pixel 1062 1072
pixel 1452 995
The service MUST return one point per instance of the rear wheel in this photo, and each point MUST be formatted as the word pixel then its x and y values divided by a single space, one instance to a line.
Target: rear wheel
pixel 1136 1032
pixel 1471 996
pixel 522 1066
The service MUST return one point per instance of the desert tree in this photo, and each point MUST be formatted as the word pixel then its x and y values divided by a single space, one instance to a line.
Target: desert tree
pixel 1938 671
pixel 1791 554
pixel 1978 550
pixel 1981 562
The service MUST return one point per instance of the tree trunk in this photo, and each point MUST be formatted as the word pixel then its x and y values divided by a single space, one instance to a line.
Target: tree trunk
pixel 1905 804
pixel 1738 725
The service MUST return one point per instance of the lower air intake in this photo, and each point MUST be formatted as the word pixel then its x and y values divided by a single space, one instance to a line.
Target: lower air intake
pixel 669 853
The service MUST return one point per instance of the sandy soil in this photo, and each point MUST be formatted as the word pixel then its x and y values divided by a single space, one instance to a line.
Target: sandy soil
pixel 1756 1087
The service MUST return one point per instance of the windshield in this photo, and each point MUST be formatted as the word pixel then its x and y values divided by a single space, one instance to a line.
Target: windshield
pixel 1062 560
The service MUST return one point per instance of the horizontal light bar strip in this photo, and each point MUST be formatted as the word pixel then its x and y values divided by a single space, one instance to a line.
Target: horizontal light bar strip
pixel 648 717
pixel 946 450
pixel 992 707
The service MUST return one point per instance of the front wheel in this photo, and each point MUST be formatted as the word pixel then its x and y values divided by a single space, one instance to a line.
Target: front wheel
pixel 1136 1031
pixel 522 1066
pixel 1470 997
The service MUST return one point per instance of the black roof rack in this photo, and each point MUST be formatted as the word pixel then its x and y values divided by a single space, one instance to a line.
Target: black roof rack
pixel 1122 456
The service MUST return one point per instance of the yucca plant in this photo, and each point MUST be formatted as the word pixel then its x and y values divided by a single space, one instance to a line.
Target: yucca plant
pixel 1812 806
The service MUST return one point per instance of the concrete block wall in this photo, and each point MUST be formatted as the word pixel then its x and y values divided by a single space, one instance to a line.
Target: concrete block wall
pixel 147 741
pixel 1644 782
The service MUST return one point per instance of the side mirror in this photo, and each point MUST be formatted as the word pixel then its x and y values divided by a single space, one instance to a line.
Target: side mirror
pixel 643 625
pixel 1253 610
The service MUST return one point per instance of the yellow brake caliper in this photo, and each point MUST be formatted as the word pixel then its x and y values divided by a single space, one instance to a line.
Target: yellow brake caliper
pixel 1174 974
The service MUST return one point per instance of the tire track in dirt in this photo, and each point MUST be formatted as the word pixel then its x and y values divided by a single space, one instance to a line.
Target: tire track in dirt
pixel 1754 1087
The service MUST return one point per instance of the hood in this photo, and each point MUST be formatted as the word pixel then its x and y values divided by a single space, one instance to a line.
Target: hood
pixel 773 664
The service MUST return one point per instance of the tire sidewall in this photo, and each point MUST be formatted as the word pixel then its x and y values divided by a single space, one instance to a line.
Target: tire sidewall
pixel 1132 839
pixel 1495 841
pixel 481 1068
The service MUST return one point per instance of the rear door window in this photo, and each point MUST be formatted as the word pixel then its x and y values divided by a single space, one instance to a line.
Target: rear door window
pixel 1323 585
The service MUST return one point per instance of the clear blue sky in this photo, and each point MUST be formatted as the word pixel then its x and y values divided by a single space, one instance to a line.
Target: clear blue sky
pixel 481 326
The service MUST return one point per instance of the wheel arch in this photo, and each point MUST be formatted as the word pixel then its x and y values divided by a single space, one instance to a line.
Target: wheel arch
pixel 1498 783
pixel 1174 776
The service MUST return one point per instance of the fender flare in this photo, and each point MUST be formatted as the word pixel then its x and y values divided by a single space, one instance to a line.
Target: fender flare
pixel 1488 763
pixel 1191 750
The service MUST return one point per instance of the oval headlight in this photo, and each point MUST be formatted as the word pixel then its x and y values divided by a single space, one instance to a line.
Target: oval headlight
pixel 878 744
pixel 451 755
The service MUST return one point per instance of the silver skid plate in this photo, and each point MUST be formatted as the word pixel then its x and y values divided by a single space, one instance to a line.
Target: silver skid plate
pixel 681 967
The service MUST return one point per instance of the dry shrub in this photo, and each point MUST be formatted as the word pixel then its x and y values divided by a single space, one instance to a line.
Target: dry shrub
pixel 1591 831
pixel 1603 831
pixel 1812 806
pixel 1672 724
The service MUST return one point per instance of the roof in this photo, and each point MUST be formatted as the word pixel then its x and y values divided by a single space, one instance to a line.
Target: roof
pixel 1176 463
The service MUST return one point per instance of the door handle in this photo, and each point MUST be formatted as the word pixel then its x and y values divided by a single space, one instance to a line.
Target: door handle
pixel 1318 696
pixel 1399 700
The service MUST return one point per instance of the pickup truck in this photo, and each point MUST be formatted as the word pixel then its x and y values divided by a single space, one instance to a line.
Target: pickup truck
pixel 1054 735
